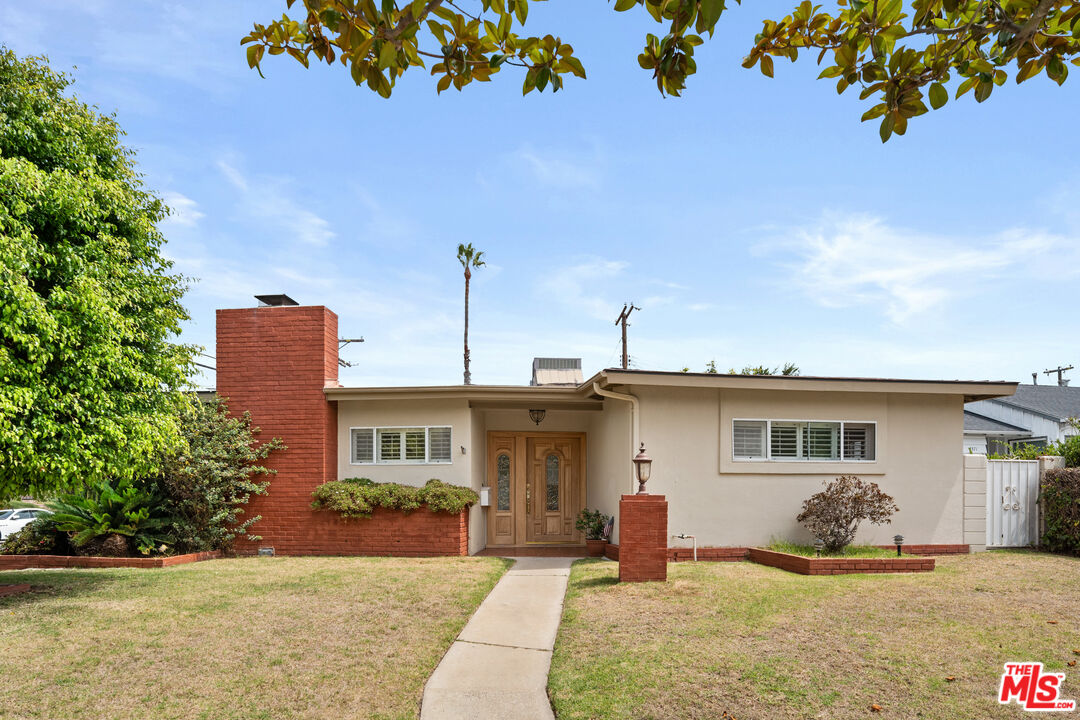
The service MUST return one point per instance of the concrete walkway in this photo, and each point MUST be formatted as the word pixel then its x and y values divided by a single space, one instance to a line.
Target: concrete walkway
pixel 498 666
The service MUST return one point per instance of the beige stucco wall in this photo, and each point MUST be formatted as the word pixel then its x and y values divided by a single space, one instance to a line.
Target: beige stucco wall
pixel 408 413
pixel 466 431
pixel 687 432
pixel 609 466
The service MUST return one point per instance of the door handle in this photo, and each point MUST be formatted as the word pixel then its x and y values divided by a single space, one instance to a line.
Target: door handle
pixel 528 500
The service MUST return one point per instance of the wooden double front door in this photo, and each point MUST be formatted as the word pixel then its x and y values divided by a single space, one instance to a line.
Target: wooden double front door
pixel 537 483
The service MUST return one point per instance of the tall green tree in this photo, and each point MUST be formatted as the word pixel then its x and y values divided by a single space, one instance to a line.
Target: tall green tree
pixel 901 54
pixel 469 259
pixel 90 380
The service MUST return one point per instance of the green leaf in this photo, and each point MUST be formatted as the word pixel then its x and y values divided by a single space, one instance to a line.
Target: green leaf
pixel 624 5
pixel 387 55
pixel 887 124
pixel 767 65
pixel 938 95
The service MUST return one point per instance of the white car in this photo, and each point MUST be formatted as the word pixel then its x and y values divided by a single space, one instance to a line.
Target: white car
pixel 13 520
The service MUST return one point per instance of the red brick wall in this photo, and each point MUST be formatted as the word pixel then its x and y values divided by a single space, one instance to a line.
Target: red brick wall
pixel 643 538
pixel 21 562
pixel 275 362
pixel 838 566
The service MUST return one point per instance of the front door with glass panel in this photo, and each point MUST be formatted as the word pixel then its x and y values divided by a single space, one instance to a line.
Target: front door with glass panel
pixel 551 489
pixel 537 483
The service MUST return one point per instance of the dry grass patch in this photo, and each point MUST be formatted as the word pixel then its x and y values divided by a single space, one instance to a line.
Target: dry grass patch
pixel 246 638
pixel 758 642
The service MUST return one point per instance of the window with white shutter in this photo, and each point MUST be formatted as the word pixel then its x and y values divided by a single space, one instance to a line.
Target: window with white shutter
pixel 803 440
pixel 439 445
pixel 407 446
pixel 859 441
pixel 749 439
pixel 784 441
pixel 363 446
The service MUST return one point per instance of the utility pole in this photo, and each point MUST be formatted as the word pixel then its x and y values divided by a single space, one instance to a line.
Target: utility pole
pixel 623 317
pixel 1059 371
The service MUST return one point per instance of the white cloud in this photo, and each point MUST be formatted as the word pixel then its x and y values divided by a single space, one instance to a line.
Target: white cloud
pixel 266 200
pixel 184 210
pixel 574 287
pixel 558 168
pixel 852 259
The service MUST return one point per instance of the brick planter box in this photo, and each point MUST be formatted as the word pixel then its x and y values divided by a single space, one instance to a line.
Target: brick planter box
pixel 22 562
pixel 838 566
pixel 7 590
pixel 420 533
pixel 932 549
pixel 679 554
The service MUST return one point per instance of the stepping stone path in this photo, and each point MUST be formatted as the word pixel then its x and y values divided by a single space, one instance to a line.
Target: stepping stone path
pixel 498 666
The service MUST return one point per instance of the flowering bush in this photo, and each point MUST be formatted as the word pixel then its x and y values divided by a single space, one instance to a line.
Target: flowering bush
pixel 40 537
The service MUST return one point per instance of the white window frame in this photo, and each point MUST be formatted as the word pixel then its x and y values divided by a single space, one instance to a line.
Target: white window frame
pixel 768 441
pixel 377 460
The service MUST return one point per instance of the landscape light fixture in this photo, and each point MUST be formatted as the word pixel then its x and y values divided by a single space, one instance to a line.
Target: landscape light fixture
pixel 819 545
pixel 537 416
pixel 899 541
pixel 643 467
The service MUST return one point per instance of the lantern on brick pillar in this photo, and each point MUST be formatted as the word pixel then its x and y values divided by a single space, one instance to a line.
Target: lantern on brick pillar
pixel 643 468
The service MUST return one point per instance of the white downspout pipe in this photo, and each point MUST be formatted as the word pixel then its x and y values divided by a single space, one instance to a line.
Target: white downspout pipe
pixel 634 422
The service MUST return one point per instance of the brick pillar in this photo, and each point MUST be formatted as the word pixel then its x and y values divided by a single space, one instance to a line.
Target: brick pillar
pixel 275 362
pixel 642 538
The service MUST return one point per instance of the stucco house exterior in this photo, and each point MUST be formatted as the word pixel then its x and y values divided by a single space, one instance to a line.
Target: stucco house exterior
pixel 734 455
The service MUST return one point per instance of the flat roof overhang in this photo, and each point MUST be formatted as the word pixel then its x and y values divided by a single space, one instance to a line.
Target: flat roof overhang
pixel 583 397
pixel 488 397
pixel 971 390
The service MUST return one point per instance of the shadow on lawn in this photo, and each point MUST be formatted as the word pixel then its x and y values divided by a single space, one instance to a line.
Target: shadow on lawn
pixel 51 584
pixel 603 581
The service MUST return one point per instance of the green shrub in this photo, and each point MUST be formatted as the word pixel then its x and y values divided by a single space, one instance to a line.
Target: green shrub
pixel 357 497
pixel 592 523
pixel 1060 498
pixel 40 537
pixel 113 520
pixel 205 486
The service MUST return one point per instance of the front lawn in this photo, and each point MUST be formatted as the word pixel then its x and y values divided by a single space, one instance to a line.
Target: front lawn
pixel 245 638
pixel 758 642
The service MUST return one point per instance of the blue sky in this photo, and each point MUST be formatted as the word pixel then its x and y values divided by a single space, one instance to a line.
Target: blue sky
pixel 753 220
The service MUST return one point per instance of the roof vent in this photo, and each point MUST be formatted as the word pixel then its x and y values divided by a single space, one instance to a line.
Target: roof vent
pixel 557 371
pixel 275 300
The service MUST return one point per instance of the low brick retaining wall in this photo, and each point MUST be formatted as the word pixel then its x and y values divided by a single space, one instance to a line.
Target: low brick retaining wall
pixel 681 554
pixel 23 562
pixel 420 533
pixel 839 566
pixel 932 549
pixel 6 590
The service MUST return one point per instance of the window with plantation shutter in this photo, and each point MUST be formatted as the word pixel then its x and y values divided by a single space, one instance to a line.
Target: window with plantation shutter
pixel 405 446
pixel 859 441
pixel 784 440
pixel 363 446
pixel 803 440
pixel 439 445
pixel 749 439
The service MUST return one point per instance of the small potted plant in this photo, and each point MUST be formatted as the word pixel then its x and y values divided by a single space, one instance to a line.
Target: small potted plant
pixel 593 524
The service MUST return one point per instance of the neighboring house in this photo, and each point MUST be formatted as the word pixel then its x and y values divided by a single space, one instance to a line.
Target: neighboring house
pixel 1035 415
pixel 734 455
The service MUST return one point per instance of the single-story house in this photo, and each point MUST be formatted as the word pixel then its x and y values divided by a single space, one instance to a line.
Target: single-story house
pixel 1034 415
pixel 734 455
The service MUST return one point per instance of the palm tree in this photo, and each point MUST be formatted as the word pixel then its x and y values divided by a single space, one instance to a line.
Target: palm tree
pixel 469 259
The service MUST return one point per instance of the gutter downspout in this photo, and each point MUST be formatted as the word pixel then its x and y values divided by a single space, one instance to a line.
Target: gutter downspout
pixel 634 421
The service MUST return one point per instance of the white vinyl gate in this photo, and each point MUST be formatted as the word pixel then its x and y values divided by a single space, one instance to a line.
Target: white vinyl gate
pixel 1012 492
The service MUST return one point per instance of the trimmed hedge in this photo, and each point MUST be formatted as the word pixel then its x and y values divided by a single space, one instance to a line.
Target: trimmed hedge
pixel 357 497
pixel 1061 511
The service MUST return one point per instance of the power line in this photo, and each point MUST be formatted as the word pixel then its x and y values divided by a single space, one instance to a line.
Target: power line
pixel 623 317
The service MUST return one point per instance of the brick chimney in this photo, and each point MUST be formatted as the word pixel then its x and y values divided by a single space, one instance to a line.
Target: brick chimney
pixel 274 361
